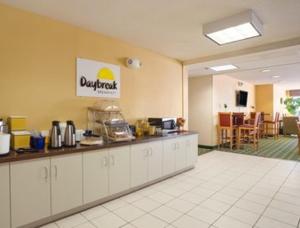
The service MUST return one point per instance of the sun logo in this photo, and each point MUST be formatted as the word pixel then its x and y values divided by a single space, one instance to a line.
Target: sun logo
pixel 105 74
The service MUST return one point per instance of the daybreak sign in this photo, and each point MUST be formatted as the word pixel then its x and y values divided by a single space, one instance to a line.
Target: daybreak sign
pixel 97 79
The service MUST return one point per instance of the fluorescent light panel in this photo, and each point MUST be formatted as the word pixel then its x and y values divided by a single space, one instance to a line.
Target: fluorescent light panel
pixel 233 34
pixel 239 27
pixel 223 67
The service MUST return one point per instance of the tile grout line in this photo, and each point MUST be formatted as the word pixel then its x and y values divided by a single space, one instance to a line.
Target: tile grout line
pixel 173 197
pixel 186 213
pixel 189 191
pixel 254 184
pixel 267 206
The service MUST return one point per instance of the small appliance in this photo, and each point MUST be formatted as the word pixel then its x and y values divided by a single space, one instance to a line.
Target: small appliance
pixel 55 136
pixel 166 125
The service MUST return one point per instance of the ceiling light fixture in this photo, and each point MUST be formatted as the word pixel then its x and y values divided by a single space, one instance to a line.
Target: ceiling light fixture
pixel 265 70
pixel 276 76
pixel 241 26
pixel 223 67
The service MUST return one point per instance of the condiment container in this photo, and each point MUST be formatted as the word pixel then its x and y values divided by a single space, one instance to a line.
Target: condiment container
pixel 37 142
pixel 152 130
pixel 20 139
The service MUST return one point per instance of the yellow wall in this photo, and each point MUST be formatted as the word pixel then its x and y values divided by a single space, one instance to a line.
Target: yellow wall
pixel 37 62
pixel 264 99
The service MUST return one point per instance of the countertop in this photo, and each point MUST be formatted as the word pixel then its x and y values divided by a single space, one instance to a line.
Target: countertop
pixel 14 156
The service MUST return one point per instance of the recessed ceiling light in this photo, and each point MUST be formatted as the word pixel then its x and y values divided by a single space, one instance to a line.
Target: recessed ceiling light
pixel 223 67
pixel 234 28
pixel 276 76
pixel 265 70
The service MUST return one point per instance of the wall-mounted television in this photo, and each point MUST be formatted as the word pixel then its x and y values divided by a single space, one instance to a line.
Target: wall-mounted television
pixel 241 98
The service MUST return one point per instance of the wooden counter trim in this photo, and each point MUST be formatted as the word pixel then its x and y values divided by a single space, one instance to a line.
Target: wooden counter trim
pixel 13 156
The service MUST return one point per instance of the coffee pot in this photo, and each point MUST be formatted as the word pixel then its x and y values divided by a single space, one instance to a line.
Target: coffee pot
pixel 70 134
pixel 55 137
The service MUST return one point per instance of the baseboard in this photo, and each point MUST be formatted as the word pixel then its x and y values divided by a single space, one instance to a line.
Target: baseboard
pixel 207 147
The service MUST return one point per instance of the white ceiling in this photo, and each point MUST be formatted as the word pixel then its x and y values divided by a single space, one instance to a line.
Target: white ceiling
pixel 289 76
pixel 170 27
pixel 284 62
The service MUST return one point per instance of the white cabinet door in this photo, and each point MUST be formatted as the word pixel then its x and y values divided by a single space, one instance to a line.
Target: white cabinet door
pixel 66 179
pixel 139 163
pixel 180 153
pixel 169 156
pixel 155 160
pixel 30 191
pixel 95 175
pixel 119 169
pixel 4 196
pixel 192 149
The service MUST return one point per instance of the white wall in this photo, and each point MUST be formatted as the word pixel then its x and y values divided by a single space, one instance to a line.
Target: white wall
pixel 207 96
pixel 279 93
pixel 224 92
pixel 200 108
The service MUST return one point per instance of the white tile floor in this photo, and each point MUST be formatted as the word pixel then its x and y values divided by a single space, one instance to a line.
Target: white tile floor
pixel 225 190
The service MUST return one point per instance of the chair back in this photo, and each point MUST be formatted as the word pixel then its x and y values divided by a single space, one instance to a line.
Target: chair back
pixel 262 117
pixel 257 119
pixel 238 118
pixel 277 116
pixel 225 119
pixel 252 115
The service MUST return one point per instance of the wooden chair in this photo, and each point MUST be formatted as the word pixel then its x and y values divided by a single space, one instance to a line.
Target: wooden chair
pixel 249 133
pixel 251 118
pixel 262 131
pixel 273 125
pixel 238 118
pixel 227 132
pixel 261 124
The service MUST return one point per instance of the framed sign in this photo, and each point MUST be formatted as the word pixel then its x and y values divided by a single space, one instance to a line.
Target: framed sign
pixel 97 79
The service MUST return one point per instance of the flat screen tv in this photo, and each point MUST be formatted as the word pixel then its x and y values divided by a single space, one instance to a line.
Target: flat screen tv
pixel 241 98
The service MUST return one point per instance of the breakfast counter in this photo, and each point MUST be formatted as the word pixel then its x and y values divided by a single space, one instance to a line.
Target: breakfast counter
pixel 56 183
pixel 14 156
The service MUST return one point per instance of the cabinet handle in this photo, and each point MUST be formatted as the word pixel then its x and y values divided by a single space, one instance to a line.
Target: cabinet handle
pixel 46 173
pixel 112 160
pixel 175 146
pixel 55 172
pixel 178 145
pixel 105 161
pixel 146 153
pixel 151 152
